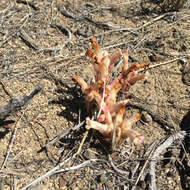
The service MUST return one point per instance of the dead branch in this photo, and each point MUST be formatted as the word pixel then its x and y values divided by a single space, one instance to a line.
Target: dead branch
pixel 29 3
pixel 28 40
pixel 63 29
pixel 48 173
pixel 86 163
pixel 167 143
pixel 148 153
pixel 117 169
pixel 68 131
pixel 7 91
pixel 17 103
pixel 105 25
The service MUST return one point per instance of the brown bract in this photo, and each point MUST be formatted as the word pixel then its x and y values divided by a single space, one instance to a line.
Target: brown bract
pixel 103 92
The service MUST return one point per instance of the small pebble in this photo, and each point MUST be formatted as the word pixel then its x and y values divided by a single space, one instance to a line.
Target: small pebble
pixel 103 178
pixel 147 118
pixel 185 70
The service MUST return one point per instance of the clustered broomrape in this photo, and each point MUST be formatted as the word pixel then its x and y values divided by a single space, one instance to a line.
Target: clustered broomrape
pixel 102 92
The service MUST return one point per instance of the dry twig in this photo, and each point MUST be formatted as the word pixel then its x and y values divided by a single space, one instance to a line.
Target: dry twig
pixel 82 142
pixel 86 163
pixel 105 25
pixel 31 4
pixel 12 141
pixel 117 169
pixel 149 152
pixel 65 133
pixel 17 102
pixel 28 40
pixel 52 171
pixel 7 91
pixel 167 143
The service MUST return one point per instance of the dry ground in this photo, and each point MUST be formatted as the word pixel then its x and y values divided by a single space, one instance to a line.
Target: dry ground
pixel 45 42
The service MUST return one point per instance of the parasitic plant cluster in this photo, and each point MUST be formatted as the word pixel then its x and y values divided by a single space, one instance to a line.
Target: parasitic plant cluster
pixel 103 93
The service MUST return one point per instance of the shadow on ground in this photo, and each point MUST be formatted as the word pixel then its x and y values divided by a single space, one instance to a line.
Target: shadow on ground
pixel 184 166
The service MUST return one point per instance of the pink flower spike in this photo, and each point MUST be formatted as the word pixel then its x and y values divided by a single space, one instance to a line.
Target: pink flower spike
pixel 102 72
pixel 116 80
pixel 106 61
pixel 117 106
pixel 81 82
pixel 95 46
pixel 104 53
pixel 128 123
pixel 89 96
pixel 119 117
pixel 101 118
pixel 108 117
pixel 138 139
pixel 97 97
pixel 134 67
pixel 135 137
pixel 137 77
pixel 102 128
pixel 114 58
pixel 125 60
pixel 111 99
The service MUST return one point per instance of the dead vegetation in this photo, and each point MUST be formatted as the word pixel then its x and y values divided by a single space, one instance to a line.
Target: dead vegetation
pixel 45 145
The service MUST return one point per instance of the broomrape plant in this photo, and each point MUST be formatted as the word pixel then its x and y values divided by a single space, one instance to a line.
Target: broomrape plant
pixel 103 93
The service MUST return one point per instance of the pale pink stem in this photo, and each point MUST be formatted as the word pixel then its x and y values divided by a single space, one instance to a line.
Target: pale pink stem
pixel 111 99
pixel 114 58
pixel 81 82
pixel 119 117
pixel 116 81
pixel 104 129
pixel 134 136
pixel 136 78
pixel 116 107
pixel 125 61
pixel 128 123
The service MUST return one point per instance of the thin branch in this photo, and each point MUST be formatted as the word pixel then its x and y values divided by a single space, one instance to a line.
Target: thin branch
pixel 28 40
pixel 17 103
pixel 78 166
pixel 65 133
pixel 31 4
pixel 82 142
pixel 105 25
pixel 167 143
pixel 11 141
pixel 63 29
pixel 7 91
pixel 48 173
pixel 152 21
pixel 163 63
pixel 149 152
pixel 117 169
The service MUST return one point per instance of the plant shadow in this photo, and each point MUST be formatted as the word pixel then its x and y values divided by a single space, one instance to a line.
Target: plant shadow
pixel 184 168
pixel 72 100
pixel 5 127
